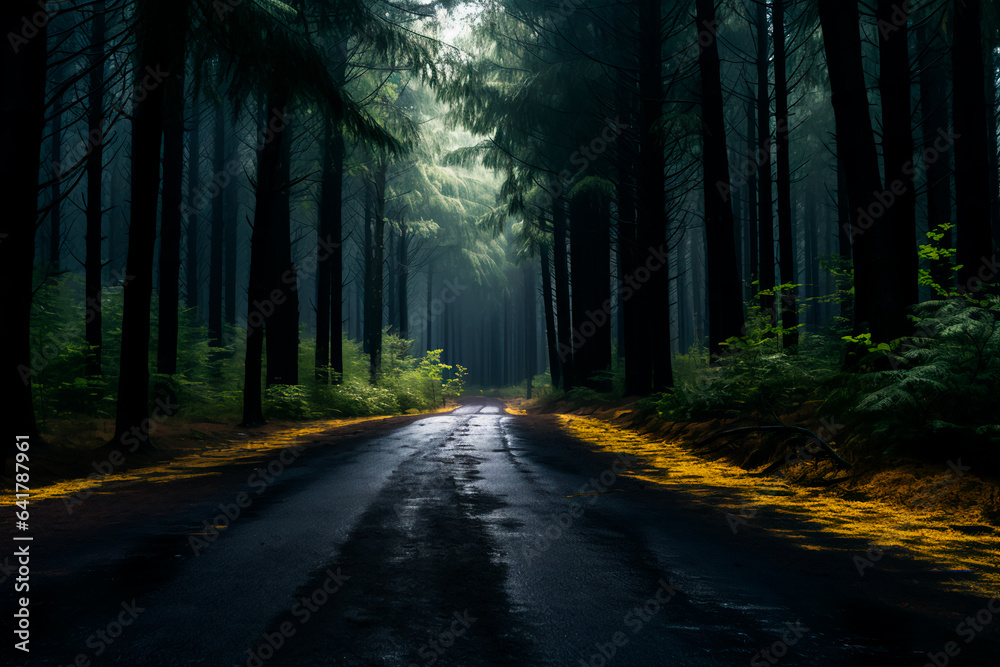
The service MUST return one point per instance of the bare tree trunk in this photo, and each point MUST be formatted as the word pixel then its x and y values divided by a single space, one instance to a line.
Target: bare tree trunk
pixel 555 368
pixel 22 113
pixel 786 235
pixel 563 314
pixel 972 184
pixel 895 86
pixel 765 197
pixel 218 231
pixel 160 49
pixel 725 317
pixel 170 224
pixel 95 211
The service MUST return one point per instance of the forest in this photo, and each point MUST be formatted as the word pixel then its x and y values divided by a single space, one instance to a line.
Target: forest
pixel 495 332
pixel 243 210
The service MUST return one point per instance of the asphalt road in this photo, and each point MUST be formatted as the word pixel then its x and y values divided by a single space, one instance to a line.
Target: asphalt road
pixel 468 538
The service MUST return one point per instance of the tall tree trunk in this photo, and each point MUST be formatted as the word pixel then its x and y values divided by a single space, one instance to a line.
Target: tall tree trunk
pixel 590 263
pixel 555 368
pixel 259 294
pixel 763 156
pixel 783 178
pixel 283 325
pixel 159 49
pixel 170 224
pixel 215 268
pixel 844 236
pixel 22 114
pixel 871 240
pixel 563 314
pixel 369 269
pixel 651 277
pixel 232 227
pixel 403 280
pixel 55 210
pixel 195 202
pixel 724 294
pixel 753 212
pixel 530 328
pixel 93 263
pixel 330 285
pixel 373 292
pixel 430 301
pixel 972 183
pixel 390 281
pixel 991 129
pixel 934 117
pixel 895 83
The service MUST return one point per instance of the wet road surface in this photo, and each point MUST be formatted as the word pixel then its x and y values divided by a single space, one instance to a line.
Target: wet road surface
pixel 468 538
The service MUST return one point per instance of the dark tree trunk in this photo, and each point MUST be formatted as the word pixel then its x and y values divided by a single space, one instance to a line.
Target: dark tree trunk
pixel 403 280
pixel 590 262
pixel 563 314
pixel 160 49
pixel 871 247
pixel 283 325
pixel 530 328
pixel 261 283
pixel 763 157
pixel 934 116
pixel 55 210
pixel 895 83
pixel 654 293
pixel 724 294
pixel 753 271
pixel 390 281
pixel 783 180
pixel 324 274
pixel 95 210
pixel 232 227
pixel 170 225
pixel 22 114
pixel 844 235
pixel 215 268
pixel 195 202
pixel 555 368
pixel 430 301
pixel 373 292
pixel 991 129
pixel 972 183
pixel 369 269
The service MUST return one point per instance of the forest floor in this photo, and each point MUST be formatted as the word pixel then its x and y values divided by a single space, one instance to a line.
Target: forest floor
pixel 945 513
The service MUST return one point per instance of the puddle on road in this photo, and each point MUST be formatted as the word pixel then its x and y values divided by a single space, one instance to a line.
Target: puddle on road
pixel 960 553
